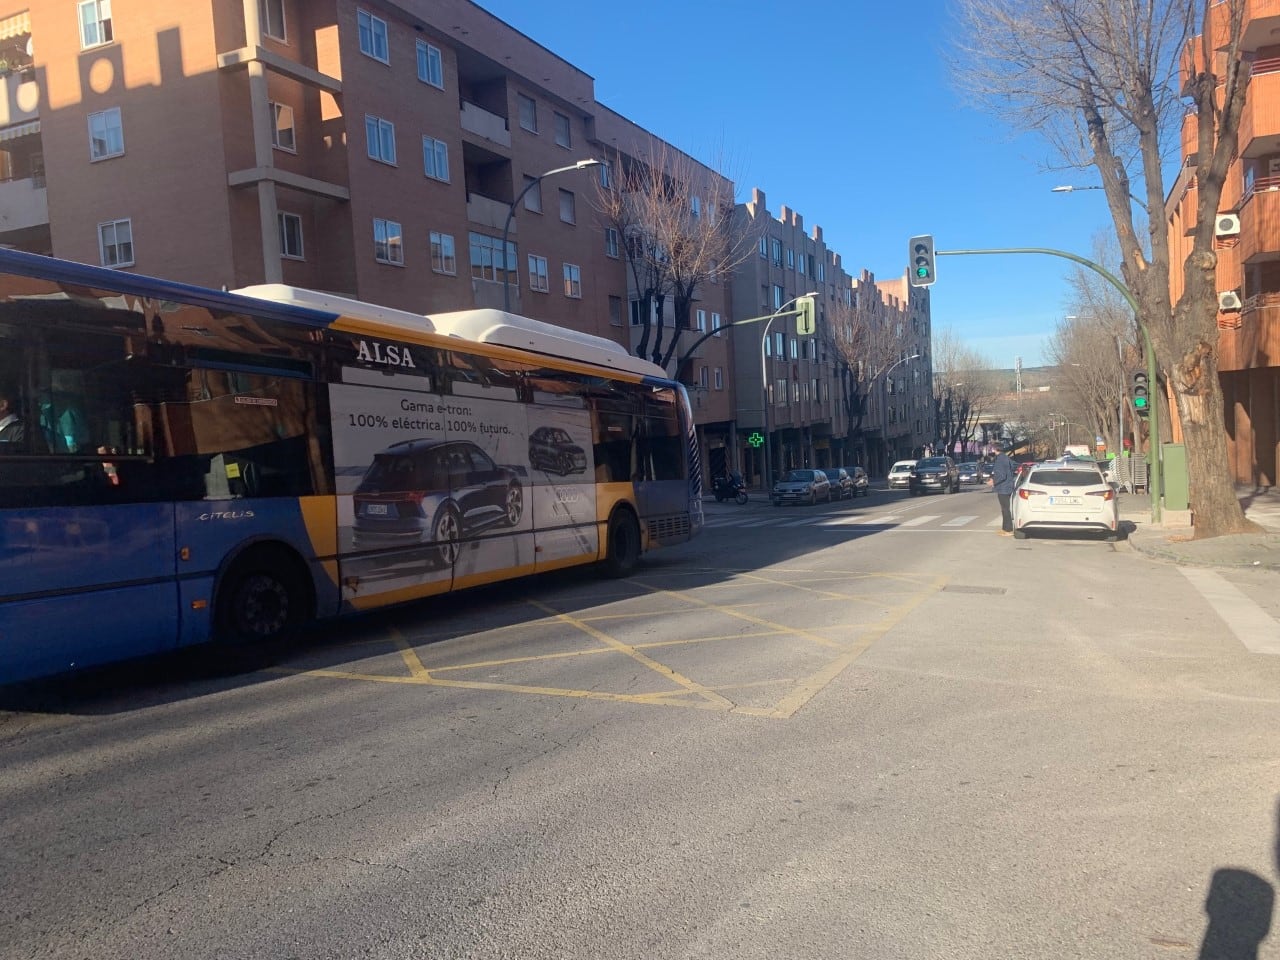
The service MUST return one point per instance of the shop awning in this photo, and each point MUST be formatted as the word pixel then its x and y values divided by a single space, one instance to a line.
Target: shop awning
pixel 19 130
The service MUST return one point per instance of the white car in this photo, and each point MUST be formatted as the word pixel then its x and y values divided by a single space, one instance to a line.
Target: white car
pixel 900 474
pixel 1070 495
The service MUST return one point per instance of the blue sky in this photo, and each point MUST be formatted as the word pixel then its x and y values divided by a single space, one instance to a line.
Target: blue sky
pixel 845 113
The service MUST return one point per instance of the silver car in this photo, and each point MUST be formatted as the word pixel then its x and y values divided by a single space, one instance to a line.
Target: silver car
pixel 802 486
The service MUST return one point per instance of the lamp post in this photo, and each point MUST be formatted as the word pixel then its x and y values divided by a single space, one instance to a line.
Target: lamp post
pixel 511 212
pixel 1068 188
pixel 764 392
pixel 884 396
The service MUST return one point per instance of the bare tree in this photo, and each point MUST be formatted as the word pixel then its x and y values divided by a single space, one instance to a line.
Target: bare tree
pixel 675 216
pixel 1102 81
pixel 964 388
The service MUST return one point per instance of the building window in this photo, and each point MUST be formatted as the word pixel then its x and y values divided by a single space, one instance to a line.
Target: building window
pixel 775 249
pixel 611 242
pixel 95 23
pixel 573 281
pixel 488 261
pixel 435 159
pixel 290 235
pixel 539 279
pixel 791 259
pixel 801 265
pixel 115 243
pixel 701 321
pixel 388 242
pixel 780 390
pixel 695 207
pixel 533 199
pixel 373 35
pixel 528 113
pixel 778 296
pixel 715 323
pixel 822 270
pixel 271 18
pixel 381 135
pixel 615 311
pixel 282 136
pixel 564 133
pixel 604 175
pixel 430 65
pixel 568 212
pixel 764 248
pixel 444 258
pixel 719 378
pixel 106 135
pixel 795 349
pixel 795 389
pixel 704 378
pixel 813 385
pixel 779 343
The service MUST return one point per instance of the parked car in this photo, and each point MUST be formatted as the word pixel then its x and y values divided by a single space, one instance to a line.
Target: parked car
pixel 553 450
pixel 434 491
pixel 934 473
pixel 802 486
pixel 861 482
pixel 841 483
pixel 969 473
pixel 1065 495
pixel 900 474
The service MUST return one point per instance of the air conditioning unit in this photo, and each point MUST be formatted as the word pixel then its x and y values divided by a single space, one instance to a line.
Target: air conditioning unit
pixel 1227 225
pixel 1228 300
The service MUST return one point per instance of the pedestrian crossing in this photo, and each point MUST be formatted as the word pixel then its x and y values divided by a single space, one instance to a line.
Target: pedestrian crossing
pixel 837 522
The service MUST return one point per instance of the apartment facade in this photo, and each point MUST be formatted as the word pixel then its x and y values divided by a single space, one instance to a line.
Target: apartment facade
pixel 824 400
pixel 375 149
pixel 1247 243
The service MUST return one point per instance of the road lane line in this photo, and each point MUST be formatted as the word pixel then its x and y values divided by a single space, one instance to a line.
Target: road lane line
pixel 1253 626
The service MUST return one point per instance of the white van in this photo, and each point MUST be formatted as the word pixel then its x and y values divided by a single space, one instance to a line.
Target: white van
pixel 900 474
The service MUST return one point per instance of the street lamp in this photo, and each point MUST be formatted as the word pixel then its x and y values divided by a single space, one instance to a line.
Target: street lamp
pixel 764 391
pixel 884 396
pixel 511 212
pixel 1067 188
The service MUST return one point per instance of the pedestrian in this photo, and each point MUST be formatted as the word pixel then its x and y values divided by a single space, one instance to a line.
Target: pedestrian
pixel 1002 474
pixel 12 430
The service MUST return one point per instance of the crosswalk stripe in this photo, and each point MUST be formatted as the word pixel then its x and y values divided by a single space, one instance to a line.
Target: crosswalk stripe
pixel 958 521
pixel 995 522
pixel 918 521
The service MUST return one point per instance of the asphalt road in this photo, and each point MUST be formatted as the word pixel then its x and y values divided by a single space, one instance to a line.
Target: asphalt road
pixel 870 729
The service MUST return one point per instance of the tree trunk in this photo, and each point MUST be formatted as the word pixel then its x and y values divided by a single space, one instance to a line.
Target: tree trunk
pixel 1217 511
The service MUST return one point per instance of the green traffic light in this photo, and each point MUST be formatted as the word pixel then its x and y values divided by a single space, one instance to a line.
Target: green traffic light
pixel 1140 402
pixel 922 272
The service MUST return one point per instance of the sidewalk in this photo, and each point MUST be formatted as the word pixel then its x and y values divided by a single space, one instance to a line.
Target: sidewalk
pixel 1173 543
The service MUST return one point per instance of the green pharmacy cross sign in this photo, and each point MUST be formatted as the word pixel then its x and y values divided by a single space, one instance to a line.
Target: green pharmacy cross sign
pixel 756 439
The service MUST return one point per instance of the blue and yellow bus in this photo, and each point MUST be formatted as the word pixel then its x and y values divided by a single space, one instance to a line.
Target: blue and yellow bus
pixel 181 465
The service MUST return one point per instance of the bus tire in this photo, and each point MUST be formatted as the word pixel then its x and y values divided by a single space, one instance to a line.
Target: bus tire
pixel 263 601
pixel 623 544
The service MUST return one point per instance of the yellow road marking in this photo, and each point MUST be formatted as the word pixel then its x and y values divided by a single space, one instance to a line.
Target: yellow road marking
pixel 410 656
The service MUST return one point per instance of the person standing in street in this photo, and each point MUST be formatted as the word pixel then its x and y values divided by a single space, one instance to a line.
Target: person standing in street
pixel 1002 474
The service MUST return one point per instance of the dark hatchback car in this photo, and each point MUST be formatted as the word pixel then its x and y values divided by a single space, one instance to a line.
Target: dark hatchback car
pixel 934 473
pixel 842 487
pixel 434 491
pixel 969 473
pixel 553 450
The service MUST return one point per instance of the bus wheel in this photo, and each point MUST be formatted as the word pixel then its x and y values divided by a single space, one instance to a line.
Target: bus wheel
pixel 623 544
pixel 262 603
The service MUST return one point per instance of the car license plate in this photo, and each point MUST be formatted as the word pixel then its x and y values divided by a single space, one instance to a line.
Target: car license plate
pixel 1065 501
pixel 375 510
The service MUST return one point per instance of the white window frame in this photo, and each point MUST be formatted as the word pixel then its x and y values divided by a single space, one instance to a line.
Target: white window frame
pixel 775 251
pixel 573 281
pixel 539 276
pixel 695 207
pixel 719 378
pixel 779 296
pixel 700 320
pixel 115 243
pixel 564 130
pixel 435 156
pixel 715 323
pixel 572 206
pixel 430 64
pixel 791 258
pixel 611 248
pixel 383 133
pixel 521 100
pixel 444 253
pixel 278 112
pixel 100 24
pixel 282 221
pixel 390 248
pixel 704 377
pixel 367 23
pixel 605 180
pixel 265 9
pixel 106 128
pixel 491 247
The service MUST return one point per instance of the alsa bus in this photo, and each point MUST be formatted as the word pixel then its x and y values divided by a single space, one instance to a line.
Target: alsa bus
pixel 180 465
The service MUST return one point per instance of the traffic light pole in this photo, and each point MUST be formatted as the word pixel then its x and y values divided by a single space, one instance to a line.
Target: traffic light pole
pixel 1154 473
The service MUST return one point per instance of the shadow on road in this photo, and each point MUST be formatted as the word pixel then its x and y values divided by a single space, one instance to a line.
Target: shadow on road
pixel 1240 905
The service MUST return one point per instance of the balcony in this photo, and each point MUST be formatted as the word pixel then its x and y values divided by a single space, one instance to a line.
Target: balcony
pixel 488 212
pixel 486 125
pixel 1260 18
pixel 1260 121
pixel 23 204
pixel 19 100
pixel 1260 221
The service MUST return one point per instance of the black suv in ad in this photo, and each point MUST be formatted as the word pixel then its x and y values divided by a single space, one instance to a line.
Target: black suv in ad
pixel 553 450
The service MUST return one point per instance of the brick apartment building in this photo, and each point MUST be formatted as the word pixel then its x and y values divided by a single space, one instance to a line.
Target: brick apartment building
pixel 375 149
pixel 1248 248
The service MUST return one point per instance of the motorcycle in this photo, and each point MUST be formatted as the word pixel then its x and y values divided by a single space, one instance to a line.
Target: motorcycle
pixel 732 487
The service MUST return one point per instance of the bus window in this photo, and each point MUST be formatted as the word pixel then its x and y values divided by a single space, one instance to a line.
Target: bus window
pixel 662 455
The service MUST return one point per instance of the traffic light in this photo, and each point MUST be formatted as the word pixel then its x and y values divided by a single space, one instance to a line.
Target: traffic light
pixel 805 322
pixel 1141 402
pixel 920 265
